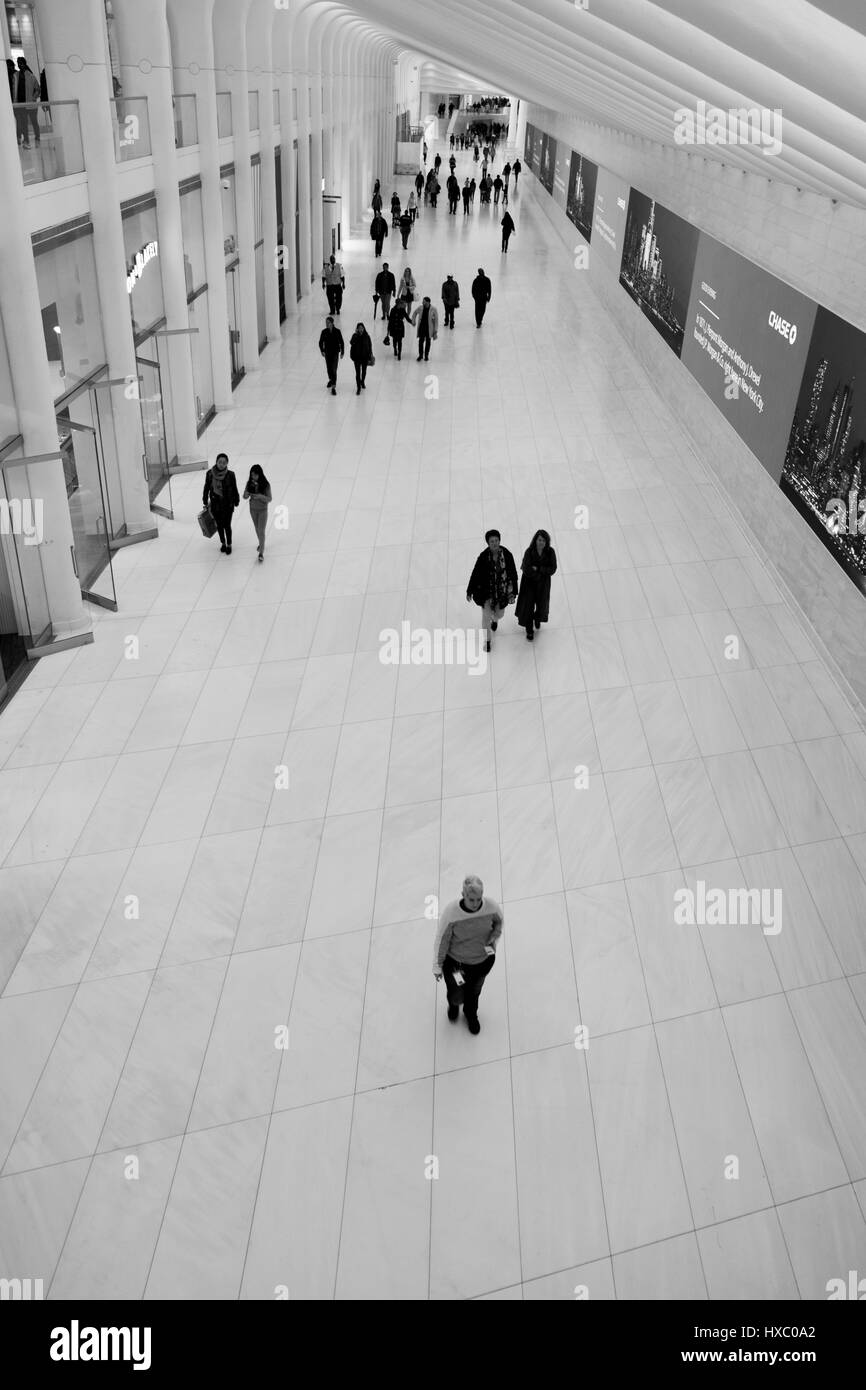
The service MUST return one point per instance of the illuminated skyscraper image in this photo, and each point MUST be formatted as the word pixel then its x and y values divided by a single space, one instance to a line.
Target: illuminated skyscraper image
pixel 658 259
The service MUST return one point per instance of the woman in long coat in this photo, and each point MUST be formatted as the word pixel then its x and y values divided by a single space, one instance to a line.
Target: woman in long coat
pixel 533 601
pixel 493 582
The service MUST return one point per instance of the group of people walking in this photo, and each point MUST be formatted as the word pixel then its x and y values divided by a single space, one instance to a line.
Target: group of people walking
pixel 220 498
pixel 493 583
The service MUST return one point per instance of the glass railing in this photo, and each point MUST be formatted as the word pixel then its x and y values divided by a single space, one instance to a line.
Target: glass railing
pixel 276 105
pixel 254 110
pixel 24 509
pixel 224 114
pixel 49 135
pixel 131 128
pixel 185 121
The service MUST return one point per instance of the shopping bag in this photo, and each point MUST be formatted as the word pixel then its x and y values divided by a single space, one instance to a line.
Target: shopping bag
pixel 207 523
pixel 372 361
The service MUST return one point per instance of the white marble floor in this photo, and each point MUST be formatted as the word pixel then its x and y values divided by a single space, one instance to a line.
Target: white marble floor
pixel 165 909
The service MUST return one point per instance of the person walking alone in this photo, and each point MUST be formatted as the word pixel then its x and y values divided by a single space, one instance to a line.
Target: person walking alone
pixel 395 208
pixel 220 496
pixel 464 952
pixel 506 175
pixel 466 195
pixel 482 291
pixel 536 568
pixel 361 353
pixel 497 188
pixel 451 299
pixel 333 283
pixel 419 182
pixel 332 348
pixel 508 229
pixel 472 188
pixel 407 288
pixel 516 168
pixel 378 232
pixel 493 582
pixel 376 200
pixel 413 206
pixel 427 319
pixel 405 227
pixel 258 491
pixel 452 188
pixel 397 320
pixel 385 287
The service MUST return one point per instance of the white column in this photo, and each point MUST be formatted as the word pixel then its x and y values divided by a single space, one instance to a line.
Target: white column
pixel 34 402
pixel 142 28
pixel 77 27
pixel 520 133
pixel 512 121
pixel 193 53
pixel 230 62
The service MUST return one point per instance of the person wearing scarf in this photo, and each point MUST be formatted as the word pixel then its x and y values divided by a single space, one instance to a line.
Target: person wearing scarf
pixel 221 497
pixel 493 582
pixel 533 601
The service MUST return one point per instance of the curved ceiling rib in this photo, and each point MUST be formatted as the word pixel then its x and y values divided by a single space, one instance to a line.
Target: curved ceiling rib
pixel 631 64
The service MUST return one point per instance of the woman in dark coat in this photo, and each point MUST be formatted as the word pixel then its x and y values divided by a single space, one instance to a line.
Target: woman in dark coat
pixel 533 601
pixel 493 582
pixel 361 353
pixel 397 320
pixel 221 497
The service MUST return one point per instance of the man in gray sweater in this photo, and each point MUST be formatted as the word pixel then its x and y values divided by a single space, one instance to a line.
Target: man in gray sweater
pixel 465 949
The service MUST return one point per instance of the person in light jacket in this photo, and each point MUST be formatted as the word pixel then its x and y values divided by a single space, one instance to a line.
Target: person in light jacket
pixel 493 582
pixel 258 491
pixel 407 289
pixel 464 952
pixel 533 600
pixel 412 205
pixel 220 496
pixel 427 319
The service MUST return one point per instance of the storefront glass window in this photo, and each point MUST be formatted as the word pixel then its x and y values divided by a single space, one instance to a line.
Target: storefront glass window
pixel 230 221
pixel 193 239
pixel 71 319
pixel 144 278
pixel 202 372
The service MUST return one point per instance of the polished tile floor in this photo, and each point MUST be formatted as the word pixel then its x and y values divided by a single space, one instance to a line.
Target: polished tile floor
pixel 167 909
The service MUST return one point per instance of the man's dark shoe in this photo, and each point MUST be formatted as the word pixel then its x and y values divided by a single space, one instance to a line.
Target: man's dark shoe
pixel 473 1024
pixel 453 1012
pixel 537 625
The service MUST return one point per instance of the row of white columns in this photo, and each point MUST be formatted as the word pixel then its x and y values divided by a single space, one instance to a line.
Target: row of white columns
pixel 200 56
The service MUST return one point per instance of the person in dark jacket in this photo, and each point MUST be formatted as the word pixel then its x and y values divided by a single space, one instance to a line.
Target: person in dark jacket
pixel 451 299
pixel 437 161
pixel 452 188
pixel 516 168
pixel 419 183
pixel 405 227
pixel 378 232
pixel 472 187
pixel 10 70
pixel 385 287
pixel 221 496
pixel 452 164
pixel 27 91
pixel 533 600
pixel 397 320
pixel 395 208
pixel 493 582
pixel 376 201
pixel 332 348
pixel 481 293
pixel 361 353
pixel 434 192
pixel 258 491
pixel 466 194
pixel 508 228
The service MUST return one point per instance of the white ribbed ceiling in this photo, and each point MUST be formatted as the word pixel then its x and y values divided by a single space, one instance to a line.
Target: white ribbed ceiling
pixel 630 64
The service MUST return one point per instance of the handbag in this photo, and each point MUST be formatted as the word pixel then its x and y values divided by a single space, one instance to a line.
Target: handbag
pixel 207 523
pixel 372 361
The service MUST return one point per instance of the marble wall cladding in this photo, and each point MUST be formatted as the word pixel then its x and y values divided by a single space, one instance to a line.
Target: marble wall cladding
pixel 746 213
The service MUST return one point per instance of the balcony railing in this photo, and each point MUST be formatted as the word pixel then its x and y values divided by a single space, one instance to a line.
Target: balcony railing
pixel 224 114
pixel 131 128
pixel 185 121
pixel 254 110
pixel 49 140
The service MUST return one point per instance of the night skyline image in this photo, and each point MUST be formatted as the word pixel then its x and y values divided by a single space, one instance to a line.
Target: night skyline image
pixel 658 262
pixel 580 205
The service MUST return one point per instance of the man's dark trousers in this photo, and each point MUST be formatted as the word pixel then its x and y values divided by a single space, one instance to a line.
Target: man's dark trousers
pixel 335 298
pixel 331 364
pixel 449 317
pixel 424 346
pixel 480 307
pixel 474 975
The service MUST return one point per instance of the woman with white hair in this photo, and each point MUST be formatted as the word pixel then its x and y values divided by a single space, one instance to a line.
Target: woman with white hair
pixel 465 949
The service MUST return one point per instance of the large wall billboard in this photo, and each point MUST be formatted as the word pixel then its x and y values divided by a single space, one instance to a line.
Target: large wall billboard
pixel 548 161
pixel 580 203
pixel 825 460
pixel 747 336
pixel 608 220
pixel 658 261
pixel 561 174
